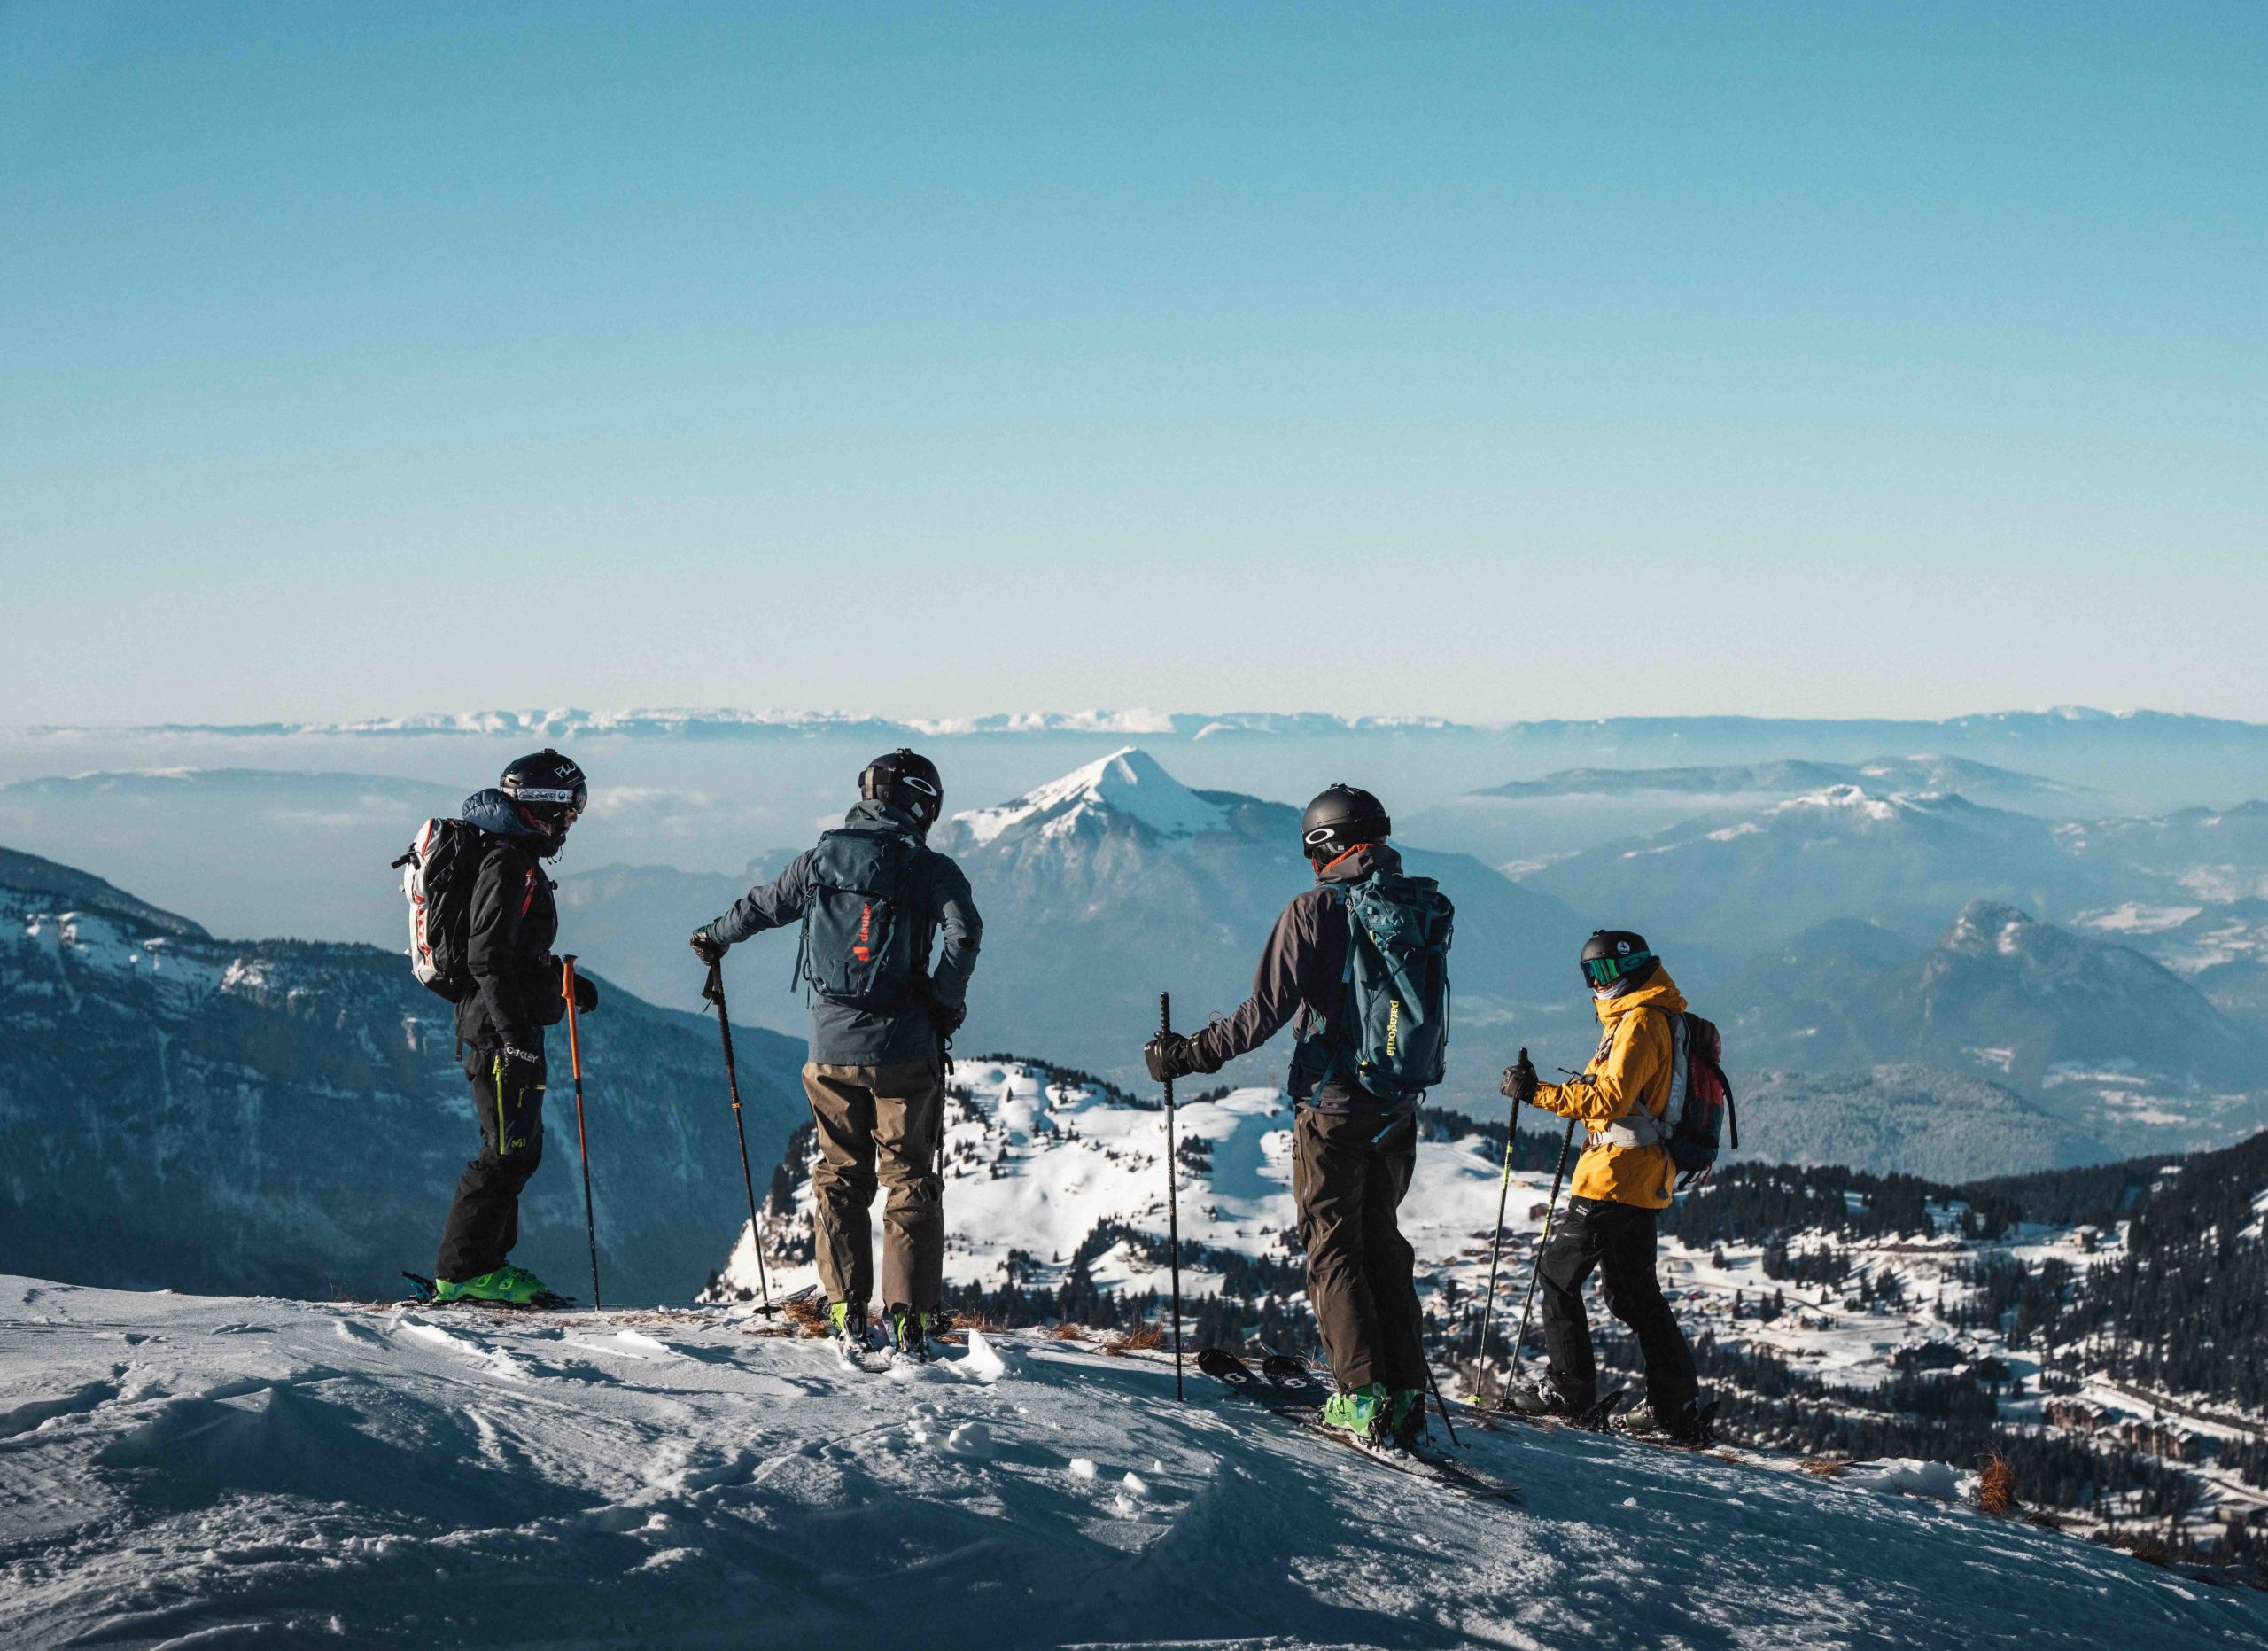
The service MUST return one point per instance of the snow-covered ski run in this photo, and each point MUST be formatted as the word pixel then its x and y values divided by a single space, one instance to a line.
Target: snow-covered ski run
pixel 179 1470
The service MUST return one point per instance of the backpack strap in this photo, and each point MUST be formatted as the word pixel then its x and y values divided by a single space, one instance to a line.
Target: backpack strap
pixel 1640 1126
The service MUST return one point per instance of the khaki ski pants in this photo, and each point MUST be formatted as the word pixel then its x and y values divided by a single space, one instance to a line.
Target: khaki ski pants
pixel 879 1124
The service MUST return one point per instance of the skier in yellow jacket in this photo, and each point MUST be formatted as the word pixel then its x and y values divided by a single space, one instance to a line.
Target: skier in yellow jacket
pixel 1623 1179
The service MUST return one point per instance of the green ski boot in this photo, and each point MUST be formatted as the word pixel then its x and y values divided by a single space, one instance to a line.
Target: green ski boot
pixel 1366 1412
pixel 908 1333
pixel 508 1285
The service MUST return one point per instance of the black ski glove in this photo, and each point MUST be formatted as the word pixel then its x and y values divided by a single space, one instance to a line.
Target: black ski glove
pixel 947 1018
pixel 708 948
pixel 1170 1055
pixel 587 994
pixel 519 1069
pixel 1520 1081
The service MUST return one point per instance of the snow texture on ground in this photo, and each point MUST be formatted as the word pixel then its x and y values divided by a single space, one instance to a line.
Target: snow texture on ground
pixel 179 1470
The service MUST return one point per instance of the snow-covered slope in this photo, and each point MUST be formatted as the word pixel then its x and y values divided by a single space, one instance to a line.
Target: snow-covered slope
pixel 1056 1195
pixel 177 1469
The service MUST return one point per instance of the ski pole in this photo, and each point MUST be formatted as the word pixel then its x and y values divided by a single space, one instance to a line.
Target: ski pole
pixel 713 992
pixel 1496 1241
pixel 1433 1382
pixel 582 1138
pixel 1173 1203
pixel 1549 1210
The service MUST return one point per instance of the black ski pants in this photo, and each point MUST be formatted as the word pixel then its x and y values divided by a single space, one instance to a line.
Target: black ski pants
pixel 1350 1170
pixel 1618 1239
pixel 484 1222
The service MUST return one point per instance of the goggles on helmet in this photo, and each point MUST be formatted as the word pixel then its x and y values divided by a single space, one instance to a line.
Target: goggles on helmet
pixel 1605 971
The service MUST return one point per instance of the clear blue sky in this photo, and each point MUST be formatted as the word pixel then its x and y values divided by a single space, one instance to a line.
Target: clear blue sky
pixel 1493 362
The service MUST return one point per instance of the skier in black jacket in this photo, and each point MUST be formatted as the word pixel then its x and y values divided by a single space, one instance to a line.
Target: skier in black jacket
pixel 876 1075
pixel 517 993
pixel 1353 1153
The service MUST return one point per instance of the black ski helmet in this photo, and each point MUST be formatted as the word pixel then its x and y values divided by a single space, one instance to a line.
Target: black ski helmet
pixel 1338 819
pixel 1616 960
pixel 549 788
pixel 907 779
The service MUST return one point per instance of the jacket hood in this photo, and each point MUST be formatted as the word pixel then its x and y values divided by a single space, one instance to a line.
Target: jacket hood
pixel 877 814
pixel 1357 864
pixel 1659 992
pixel 494 812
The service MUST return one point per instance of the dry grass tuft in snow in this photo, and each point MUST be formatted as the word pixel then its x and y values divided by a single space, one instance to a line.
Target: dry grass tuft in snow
pixel 1996 1487
pixel 1141 1339
pixel 807 1313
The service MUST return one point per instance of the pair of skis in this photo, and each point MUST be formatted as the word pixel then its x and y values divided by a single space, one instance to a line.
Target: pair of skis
pixel 1287 1387
pixel 550 1300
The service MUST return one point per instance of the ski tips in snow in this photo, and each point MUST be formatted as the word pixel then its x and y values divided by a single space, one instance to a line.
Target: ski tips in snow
pixel 1285 1385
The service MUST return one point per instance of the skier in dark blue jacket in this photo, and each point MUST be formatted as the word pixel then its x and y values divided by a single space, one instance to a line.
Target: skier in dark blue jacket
pixel 517 985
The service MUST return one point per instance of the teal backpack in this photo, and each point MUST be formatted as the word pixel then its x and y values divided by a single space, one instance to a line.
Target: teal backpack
pixel 863 944
pixel 1392 1028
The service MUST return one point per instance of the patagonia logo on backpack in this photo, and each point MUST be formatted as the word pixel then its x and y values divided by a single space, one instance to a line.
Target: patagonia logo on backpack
pixel 1700 1106
pixel 1393 1027
pixel 437 876
pixel 863 944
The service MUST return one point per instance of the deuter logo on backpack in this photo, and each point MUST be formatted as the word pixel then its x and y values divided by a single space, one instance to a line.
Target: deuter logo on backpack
pixel 437 881
pixel 1393 1027
pixel 863 944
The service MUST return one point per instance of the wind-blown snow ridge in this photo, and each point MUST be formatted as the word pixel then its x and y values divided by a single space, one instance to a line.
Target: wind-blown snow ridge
pixel 1129 782
pixel 182 1469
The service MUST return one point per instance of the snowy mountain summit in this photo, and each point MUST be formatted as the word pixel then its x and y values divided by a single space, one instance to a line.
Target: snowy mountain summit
pixel 1129 783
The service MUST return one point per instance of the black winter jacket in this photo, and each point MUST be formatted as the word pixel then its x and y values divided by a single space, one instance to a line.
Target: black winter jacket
pixel 843 1035
pixel 1303 972
pixel 514 923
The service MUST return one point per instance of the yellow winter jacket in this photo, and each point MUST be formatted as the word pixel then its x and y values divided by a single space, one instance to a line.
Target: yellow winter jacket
pixel 1632 1069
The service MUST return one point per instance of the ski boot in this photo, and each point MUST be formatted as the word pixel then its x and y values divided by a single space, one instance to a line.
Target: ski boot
pixel 1407 1425
pixel 846 1327
pixel 1537 1396
pixel 1367 1412
pixel 508 1286
pixel 909 1334
pixel 1686 1424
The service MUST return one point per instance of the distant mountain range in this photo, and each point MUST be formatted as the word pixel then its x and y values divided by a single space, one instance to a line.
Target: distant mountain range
pixel 1790 779
pixel 290 1117
pixel 1904 860
pixel 2004 729
pixel 2120 1054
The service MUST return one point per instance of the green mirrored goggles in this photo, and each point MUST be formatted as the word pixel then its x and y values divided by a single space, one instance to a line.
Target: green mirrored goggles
pixel 1605 971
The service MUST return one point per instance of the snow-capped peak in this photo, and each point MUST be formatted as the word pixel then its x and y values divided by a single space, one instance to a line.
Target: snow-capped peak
pixel 1129 782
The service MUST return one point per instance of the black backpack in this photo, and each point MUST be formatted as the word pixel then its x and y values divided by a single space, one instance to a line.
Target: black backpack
pixel 437 878
pixel 864 944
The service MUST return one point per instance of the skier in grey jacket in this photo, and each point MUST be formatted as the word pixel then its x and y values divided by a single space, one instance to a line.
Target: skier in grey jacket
pixel 875 1078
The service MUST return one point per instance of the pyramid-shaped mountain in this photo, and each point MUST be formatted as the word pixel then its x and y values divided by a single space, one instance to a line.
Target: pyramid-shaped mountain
pixel 1116 882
